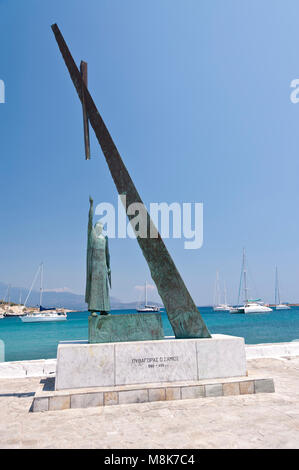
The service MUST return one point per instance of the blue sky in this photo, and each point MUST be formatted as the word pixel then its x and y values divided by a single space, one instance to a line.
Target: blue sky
pixel 196 95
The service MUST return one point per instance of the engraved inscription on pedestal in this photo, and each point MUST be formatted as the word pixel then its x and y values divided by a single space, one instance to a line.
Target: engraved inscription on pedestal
pixel 155 362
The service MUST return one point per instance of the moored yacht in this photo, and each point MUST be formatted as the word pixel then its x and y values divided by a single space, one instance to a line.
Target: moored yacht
pixel 44 314
pixel 222 308
pixel 250 306
pixel 147 308
pixel 253 306
pixel 50 315
pixel 278 304
pixel 282 307
pixel 218 306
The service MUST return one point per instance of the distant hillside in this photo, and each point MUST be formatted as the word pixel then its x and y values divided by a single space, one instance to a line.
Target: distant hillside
pixel 63 299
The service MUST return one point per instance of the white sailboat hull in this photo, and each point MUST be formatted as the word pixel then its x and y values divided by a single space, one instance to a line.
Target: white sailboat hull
pixel 43 318
pixel 221 308
pixel 282 307
pixel 255 308
pixel 148 309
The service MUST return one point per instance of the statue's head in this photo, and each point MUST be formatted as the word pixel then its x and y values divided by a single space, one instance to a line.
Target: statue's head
pixel 98 227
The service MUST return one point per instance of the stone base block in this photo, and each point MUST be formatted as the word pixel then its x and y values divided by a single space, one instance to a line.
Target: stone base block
pixel 80 364
pixel 47 399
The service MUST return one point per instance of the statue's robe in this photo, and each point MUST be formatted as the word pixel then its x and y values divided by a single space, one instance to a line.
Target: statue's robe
pixel 97 279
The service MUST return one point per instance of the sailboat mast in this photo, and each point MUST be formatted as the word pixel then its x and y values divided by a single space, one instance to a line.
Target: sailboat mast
pixel 33 282
pixel 217 289
pixel 277 294
pixel 145 289
pixel 215 292
pixel 225 294
pixel 41 284
pixel 245 277
pixel 6 294
pixel 241 277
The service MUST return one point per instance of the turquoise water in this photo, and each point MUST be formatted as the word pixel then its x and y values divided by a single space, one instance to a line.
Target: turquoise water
pixel 39 341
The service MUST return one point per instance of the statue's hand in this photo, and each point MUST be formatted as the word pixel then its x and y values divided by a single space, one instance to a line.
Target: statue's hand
pixel 90 200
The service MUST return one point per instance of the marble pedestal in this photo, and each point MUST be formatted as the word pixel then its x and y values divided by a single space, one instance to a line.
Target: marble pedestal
pixel 81 365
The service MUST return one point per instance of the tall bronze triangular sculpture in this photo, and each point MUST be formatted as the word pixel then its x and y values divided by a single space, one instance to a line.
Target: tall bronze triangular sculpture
pixel 182 312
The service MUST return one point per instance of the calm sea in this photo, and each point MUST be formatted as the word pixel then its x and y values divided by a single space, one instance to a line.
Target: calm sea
pixel 39 341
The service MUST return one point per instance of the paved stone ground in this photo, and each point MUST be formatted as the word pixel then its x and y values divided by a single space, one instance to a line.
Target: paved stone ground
pixel 248 421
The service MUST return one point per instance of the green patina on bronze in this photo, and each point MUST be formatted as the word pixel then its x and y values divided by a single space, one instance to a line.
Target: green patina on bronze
pixel 182 312
pixel 98 272
pixel 128 327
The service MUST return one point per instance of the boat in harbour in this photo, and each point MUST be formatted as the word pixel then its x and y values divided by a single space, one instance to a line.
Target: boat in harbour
pixel 146 307
pixel 51 315
pixel 44 314
pixel 250 305
pixel 218 306
pixel 278 304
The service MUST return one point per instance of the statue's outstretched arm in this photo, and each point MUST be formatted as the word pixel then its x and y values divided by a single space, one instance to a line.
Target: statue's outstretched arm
pixel 90 216
pixel 88 254
pixel 108 260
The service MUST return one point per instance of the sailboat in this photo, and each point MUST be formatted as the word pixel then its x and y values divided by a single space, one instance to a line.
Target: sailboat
pixel 250 305
pixel 146 307
pixel 278 304
pixel 44 314
pixel 218 306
